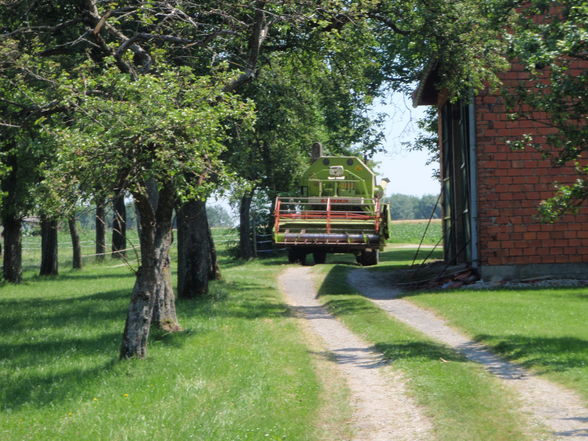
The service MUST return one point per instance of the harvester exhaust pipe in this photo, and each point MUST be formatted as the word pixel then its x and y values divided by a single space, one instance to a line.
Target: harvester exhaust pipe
pixel 316 151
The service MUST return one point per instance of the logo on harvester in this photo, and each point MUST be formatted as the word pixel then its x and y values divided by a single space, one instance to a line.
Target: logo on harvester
pixel 335 201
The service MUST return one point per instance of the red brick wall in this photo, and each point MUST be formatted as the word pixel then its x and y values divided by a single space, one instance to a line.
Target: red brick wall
pixel 511 184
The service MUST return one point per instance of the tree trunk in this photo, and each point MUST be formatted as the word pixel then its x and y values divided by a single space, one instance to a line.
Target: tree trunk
pixel 12 265
pixel 49 262
pixel 245 244
pixel 164 313
pixel 139 315
pixel 152 280
pixel 214 272
pixel 100 230
pixel 75 243
pixel 193 250
pixel 11 222
pixel 119 226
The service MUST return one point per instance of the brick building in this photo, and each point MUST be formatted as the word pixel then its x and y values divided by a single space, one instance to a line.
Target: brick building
pixel 491 193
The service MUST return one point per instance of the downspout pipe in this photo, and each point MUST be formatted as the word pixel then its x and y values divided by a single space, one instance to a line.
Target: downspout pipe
pixel 473 184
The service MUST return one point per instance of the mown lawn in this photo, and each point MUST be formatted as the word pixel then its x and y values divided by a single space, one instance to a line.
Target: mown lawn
pixel 240 370
pixel 464 402
pixel 542 329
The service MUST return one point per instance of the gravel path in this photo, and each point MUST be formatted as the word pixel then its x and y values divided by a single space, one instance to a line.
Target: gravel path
pixel 549 405
pixel 381 409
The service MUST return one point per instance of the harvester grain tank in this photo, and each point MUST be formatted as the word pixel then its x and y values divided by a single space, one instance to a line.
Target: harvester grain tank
pixel 339 210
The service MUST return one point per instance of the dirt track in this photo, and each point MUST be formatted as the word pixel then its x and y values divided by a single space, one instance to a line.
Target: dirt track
pixel 558 409
pixel 382 410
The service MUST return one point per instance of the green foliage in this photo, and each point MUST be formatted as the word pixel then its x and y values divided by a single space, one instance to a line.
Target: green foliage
pixel 413 207
pixel 462 39
pixel 29 97
pixel 553 51
pixel 218 216
pixel 162 127
pixel 301 99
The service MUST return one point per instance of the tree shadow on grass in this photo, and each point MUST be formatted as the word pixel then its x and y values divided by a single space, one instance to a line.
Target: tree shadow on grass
pixel 39 390
pixel 77 275
pixel 45 353
pixel 335 282
pixel 253 303
pixel 27 315
pixel 541 354
pixel 418 351
pixel 53 348
pixel 272 259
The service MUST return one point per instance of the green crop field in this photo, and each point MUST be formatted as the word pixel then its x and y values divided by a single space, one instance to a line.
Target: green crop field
pixel 412 232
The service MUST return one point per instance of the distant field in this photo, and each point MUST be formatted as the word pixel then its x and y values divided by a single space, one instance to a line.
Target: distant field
pixel 411 231
pixel 31 247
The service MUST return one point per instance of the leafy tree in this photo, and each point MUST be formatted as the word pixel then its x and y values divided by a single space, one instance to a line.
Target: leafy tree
pixel 218 216
pixel 143 143
pixel 413 207
pixel 428 207
pixel 25 99
pixel 401 206
pixel 553 50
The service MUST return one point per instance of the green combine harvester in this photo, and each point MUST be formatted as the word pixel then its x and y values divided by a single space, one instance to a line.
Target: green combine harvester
pixel 339 210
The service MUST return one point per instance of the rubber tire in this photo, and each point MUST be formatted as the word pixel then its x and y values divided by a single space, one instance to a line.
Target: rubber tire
pixel 320 257
pixel 359 259
pixel 369 258
pixel 296 256
pixel 293 256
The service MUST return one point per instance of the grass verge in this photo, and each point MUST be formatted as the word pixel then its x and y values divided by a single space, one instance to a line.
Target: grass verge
pixel 463 401
pixel 239 371
pixel 542 329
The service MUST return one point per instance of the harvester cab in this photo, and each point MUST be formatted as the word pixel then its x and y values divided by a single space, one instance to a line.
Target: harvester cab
pixel 339 210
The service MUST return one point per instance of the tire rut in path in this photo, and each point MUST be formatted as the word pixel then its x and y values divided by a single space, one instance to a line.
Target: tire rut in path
pixel 381 409
pixel 558 409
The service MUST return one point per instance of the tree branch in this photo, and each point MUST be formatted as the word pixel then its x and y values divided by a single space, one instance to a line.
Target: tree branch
pixel 259 33
pixel 388 22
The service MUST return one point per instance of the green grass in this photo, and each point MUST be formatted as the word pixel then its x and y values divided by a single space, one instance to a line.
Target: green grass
pixel 412 232
pixel 464 402
pixel 239 371
pixel 542 329
pixel 31 256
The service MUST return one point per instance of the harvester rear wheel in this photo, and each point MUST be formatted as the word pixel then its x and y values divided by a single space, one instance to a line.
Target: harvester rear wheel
pixel 369 257
pixel 320 257
pixel 296 256
pixel 293 255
